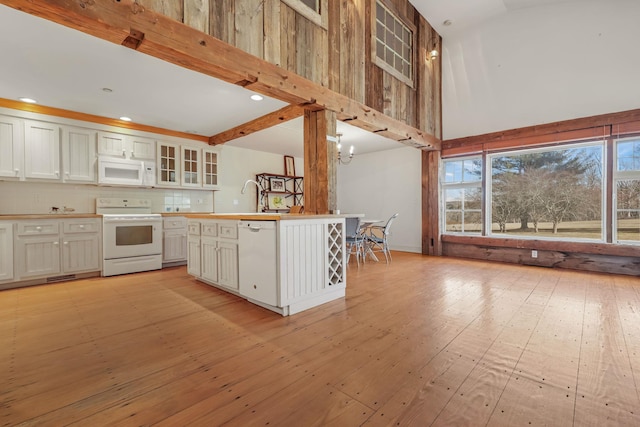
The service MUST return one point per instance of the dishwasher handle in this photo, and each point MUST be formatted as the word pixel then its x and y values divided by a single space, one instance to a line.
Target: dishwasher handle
pixel 254 228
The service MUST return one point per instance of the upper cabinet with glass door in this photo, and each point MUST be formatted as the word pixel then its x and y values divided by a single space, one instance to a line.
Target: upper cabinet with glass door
pixel 210 159
pixel 168 164
pixel 190 167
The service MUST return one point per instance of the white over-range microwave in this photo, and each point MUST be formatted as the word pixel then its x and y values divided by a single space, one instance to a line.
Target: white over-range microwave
pixel 131 172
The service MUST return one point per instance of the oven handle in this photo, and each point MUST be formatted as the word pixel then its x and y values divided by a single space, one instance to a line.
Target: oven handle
pixel 132 220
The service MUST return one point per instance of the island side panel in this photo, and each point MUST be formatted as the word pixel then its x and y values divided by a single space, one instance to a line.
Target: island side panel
pixel 312 262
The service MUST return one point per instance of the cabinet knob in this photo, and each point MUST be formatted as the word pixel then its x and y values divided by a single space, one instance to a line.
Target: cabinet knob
pixel 65 243
pixel 17 171
pixel 124 153
pixel 55 243
pixel 82 226
pixel 39 228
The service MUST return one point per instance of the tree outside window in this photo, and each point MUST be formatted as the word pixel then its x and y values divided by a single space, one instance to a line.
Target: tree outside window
pixel 548 193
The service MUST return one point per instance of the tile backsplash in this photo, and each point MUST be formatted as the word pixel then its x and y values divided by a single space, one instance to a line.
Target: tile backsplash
pixel 40 198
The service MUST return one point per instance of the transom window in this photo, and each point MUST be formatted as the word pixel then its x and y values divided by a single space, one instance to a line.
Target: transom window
pixel 312 4
pixel 393 44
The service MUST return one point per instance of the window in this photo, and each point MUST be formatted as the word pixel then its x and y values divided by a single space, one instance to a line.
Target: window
pixel 393 44
pixel 462 195
pixel 312 4
pixel 314 10
pixel 627 191
pixel 548 193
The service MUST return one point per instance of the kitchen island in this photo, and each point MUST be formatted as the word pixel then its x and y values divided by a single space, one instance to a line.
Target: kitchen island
pixel 283 262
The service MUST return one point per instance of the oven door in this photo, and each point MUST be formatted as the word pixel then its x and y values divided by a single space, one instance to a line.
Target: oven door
pixel 126 236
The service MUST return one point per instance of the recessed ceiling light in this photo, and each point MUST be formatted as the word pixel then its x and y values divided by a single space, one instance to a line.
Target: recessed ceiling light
pixel 106 89
pixel 256 97
pixel 28 100
pixel 125 119
pixel 447 22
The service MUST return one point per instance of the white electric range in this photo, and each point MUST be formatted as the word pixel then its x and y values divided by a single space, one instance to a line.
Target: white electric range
pixel 131 236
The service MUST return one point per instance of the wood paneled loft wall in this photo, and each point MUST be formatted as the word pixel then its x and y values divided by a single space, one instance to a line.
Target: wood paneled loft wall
pixel 336 55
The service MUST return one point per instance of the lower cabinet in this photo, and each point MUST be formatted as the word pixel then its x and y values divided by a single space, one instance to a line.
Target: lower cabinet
pixel 174 241
pixel 48 248
pixel 213 252
pixel 6 251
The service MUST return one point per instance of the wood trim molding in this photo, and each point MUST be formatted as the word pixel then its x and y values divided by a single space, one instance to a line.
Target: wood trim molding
pixel 68 114
pixel 177 43
pixel 547 245
pixel 544 130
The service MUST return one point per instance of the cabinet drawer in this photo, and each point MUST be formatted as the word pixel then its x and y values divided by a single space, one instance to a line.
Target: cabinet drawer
pixel 38 228
pixel 173 223
pixel 209 229
pixel 80 226
pixel 229 231
pixel 193 228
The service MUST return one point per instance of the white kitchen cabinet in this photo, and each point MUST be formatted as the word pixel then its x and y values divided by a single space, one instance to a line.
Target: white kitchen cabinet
pixel 174 242
pixel 217 245
pixel 41 150
pixel 11 147
pixel 209 259
pixel 190 167
pixel 6 251
pixel 79 155
pixel 48 248
pixel 228 264
pixel 210 159
pixel 81 245
pixel 193 248
pixel 37 249
pixel 168 164
pixel 126 146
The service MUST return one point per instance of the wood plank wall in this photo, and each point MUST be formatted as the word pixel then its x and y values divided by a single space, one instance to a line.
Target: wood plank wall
pixel 338 57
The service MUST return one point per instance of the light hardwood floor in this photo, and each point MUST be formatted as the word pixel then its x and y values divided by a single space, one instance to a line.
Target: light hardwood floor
pixel 422 341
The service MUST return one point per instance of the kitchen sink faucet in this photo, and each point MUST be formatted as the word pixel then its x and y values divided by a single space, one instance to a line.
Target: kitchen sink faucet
pixel 244 189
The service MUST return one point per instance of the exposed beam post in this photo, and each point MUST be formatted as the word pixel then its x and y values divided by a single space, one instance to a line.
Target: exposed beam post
pixel 316 175
pixel 431 243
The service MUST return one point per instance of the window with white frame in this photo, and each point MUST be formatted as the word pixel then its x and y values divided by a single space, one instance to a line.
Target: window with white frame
pixel 627 191
pixel 462 195
pixel 393 44
pixel 313 10
pixel 548 193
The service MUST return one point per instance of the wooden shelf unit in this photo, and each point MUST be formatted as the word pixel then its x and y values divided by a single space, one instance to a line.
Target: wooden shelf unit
pixel 293 191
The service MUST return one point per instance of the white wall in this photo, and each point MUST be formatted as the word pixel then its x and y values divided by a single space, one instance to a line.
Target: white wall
pixel 239 165
pixel 382 183
pixel 540 65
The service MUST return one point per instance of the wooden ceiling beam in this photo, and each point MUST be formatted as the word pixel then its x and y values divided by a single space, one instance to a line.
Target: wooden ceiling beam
pixel 282 115
pixel 164 38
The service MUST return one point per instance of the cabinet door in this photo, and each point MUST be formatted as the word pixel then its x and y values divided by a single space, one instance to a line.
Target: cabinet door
pixel 168 164
pixel 6 251
pixel 112 144
pixel 190 167
pixel 78 155
pixel 41 150
pixel 210 159
pixel 209 256
pixel 174 246
pixel 80 252
pixel 11 147
pixel 38 256
pixel 193 260
pixel 142 148
pixel 228 264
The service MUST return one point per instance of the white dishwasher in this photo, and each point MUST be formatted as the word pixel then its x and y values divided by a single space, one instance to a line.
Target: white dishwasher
pixel 257 261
